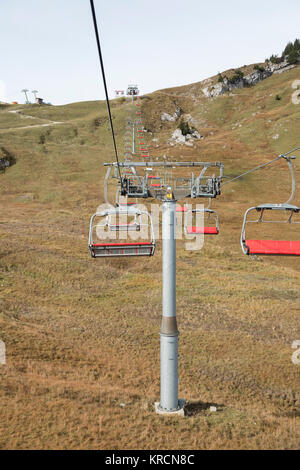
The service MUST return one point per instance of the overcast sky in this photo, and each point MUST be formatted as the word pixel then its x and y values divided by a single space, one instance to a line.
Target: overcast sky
pixel 49 45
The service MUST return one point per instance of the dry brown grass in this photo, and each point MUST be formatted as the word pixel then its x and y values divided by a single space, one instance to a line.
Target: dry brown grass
pixel 82 335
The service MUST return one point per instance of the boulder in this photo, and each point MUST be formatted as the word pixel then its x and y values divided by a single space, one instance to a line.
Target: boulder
pixel 178 138
pixel 168 117
pixel 171 117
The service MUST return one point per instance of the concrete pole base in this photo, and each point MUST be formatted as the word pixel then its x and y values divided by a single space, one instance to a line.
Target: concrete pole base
pixel 178 412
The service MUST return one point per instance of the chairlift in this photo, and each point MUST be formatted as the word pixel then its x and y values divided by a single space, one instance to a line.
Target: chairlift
pixel 270 247
pixel 273 247
pixel 116 248
pixel 211 222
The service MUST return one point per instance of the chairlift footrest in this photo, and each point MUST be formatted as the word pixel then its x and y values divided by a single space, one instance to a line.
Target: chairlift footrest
pixel 98 250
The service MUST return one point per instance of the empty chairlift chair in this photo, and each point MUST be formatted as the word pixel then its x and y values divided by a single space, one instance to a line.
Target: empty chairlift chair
pixel 287 210
pixel 270 247
pixel 154 181
pixel 117 247
pixel 210 225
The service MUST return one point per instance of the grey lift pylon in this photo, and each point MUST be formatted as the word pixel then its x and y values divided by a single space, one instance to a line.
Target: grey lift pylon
pixel 169 402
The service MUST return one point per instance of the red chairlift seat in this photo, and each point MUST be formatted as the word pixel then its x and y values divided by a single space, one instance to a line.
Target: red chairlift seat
pixel 272 247
pixel 190 230
pixel 127 203
pixel 206 229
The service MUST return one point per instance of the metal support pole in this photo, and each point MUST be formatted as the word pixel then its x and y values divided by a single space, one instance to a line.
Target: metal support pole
pixel 133 137
pixel 169 402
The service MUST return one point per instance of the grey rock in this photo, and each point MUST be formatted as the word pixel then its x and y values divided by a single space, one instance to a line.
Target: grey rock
pixel 249 80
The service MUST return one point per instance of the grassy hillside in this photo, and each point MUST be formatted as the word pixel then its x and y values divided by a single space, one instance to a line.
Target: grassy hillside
pixel 82 335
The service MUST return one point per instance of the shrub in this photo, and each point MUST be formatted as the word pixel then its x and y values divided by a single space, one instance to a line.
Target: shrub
pixel 275 59
pixel 6 159
pixel 292 51
pixel 293 57
pixel 238 75
pixel 259 68
pixel 297 44
pixel 277 97
pixel 42 139
pixel 288 49
pixel 184 127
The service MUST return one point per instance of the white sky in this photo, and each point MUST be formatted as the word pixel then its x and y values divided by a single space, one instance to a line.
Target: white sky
pixel 49 45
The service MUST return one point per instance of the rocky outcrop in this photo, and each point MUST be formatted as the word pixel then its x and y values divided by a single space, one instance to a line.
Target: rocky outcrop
pixel 248 80
pixel 171 117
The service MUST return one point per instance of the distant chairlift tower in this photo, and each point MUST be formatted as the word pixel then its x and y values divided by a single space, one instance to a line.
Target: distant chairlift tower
pixel 132 90
pixel 26 97
pixel 34 93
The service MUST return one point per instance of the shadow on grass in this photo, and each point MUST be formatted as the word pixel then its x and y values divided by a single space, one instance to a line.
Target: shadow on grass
pixel 200 407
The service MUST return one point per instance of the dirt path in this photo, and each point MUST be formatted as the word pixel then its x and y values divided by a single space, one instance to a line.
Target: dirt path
pixel 25 116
